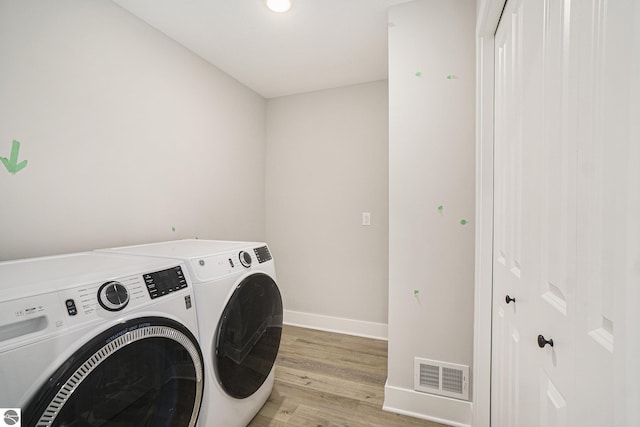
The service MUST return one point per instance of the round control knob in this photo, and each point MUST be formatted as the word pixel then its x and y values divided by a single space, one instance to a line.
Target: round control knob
pixel 245 259
pixel 113 296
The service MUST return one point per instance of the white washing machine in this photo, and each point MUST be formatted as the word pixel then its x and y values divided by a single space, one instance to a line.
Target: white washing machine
pixel 239 318
pixel 93 339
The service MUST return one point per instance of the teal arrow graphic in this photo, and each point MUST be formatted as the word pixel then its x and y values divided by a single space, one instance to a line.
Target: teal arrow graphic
pixel 12 164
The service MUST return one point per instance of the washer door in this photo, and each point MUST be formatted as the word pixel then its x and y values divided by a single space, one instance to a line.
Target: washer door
pixel 143 372
pixel 248 336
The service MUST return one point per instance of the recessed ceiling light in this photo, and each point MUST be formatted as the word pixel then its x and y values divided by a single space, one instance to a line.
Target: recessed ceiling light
pixel 279 6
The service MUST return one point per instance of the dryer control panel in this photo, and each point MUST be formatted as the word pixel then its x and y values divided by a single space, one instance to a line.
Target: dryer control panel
pixel 220 265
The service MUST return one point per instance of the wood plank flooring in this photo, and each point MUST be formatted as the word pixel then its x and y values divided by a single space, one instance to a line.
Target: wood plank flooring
pixel 329 380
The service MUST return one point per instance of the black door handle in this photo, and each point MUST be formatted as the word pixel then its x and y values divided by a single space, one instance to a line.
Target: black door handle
pixel 508 299
pixel 542 341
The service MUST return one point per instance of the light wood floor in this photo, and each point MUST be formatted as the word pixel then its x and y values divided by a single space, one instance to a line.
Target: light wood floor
pixel 329 380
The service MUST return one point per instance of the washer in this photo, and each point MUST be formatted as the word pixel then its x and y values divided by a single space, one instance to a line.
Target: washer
pixel 93 339
pixel 240 322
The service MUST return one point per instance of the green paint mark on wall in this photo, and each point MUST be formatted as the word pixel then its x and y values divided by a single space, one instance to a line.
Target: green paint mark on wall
pixel 419 74
pixel 11 163
pixel 173 229
pixel 440 208
pixel 463 222
pixel 416 292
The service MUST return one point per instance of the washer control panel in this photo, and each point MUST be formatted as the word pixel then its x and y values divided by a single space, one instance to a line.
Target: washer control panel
pixel 163 282
pixel 26 318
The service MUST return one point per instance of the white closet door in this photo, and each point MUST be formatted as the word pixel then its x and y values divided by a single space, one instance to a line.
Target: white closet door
pixel 512 402
pixel 535 208
pixel 607 329
pixel 564 194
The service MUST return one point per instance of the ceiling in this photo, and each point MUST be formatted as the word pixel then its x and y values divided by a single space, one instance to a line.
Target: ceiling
pixel 318 44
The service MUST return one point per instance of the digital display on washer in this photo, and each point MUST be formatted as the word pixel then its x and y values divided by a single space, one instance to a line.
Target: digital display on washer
pixel 262 254
pixel 166 281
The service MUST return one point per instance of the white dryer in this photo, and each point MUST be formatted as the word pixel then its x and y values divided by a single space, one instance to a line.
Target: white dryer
pixel 239 318
pixel 92 339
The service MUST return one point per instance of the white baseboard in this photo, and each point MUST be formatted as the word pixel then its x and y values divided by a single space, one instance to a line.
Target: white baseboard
pixel 439 409
pixel 340 325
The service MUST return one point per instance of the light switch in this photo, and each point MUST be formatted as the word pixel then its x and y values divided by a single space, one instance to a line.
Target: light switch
pixel 366 218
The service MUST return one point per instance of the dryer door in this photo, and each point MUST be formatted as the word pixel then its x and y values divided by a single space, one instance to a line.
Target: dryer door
pixel 248 336
pixel 143 372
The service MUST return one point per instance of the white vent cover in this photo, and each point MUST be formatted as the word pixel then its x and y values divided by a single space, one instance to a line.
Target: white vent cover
pixel 445 379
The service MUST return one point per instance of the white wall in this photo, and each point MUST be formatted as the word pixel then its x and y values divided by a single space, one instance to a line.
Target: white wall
pixel 431 164
pixel 127 134
pixel 326 164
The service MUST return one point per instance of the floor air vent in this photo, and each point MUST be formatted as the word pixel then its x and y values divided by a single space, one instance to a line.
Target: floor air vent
pixel 445 379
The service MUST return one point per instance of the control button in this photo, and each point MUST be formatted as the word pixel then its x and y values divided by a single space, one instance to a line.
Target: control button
pixel 245 259
pixel 71 307
pixel 113 296
pixel 187 302
pixel 116 294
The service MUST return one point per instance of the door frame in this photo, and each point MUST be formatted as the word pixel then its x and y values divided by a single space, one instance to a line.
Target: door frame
pixel 488 16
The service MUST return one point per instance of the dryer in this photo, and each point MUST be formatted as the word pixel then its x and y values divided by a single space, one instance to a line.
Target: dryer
pixel 92 339
pixel 239 310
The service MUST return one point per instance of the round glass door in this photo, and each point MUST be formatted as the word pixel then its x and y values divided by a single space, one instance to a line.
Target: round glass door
pixel 143 372
pixel 248 336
